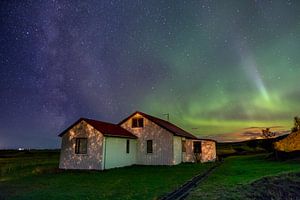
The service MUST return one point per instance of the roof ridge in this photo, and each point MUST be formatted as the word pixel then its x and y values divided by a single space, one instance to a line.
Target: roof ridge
pixel 159 122
pixel 166 122
pixel 83 118
pixel 106 128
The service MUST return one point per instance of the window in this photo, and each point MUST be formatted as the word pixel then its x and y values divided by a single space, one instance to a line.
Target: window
pixel 197 147
pixel 149 146
pixel 183 146
pixel 127 146
pixel 137 122
pixel 81 146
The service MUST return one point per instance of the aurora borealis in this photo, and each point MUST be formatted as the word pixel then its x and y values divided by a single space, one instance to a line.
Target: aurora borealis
pixel 215 66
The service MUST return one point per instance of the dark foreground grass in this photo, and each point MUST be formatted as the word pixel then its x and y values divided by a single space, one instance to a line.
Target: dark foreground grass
pixel 285 186
pixel 37 177
pixel 18 164
pixel 232 179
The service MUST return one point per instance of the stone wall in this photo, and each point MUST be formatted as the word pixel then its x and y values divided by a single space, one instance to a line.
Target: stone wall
pixel 208 151
pixel 92 159
pixel 162 142
pixel 189 156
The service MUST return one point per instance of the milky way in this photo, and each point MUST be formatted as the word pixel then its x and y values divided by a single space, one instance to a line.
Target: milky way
pixel 214 66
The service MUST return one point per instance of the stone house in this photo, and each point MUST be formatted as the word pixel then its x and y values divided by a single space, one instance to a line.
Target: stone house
pixel 138 139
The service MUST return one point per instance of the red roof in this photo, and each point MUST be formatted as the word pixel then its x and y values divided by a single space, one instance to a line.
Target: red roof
pixel 164 124
pixel 107 129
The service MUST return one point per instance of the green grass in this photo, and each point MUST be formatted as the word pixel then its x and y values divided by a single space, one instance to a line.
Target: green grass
pixel 237 171
pixel 35 176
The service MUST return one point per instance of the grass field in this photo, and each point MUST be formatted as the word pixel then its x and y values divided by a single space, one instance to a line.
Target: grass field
pixel 18 164
pixel 233 177
pixel 35 176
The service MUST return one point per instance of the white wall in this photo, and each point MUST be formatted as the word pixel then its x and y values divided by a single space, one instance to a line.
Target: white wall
pixel 114 151
pixel 177 150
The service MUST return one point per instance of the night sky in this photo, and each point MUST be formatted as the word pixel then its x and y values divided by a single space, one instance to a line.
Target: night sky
pixel 215 66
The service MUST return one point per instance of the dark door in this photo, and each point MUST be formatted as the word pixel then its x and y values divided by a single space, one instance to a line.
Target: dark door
pixel 197 147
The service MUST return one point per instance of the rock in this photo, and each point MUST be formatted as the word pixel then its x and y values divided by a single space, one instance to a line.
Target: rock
pixel 289 144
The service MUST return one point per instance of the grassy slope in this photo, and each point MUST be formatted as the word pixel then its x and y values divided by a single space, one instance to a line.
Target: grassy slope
pixel 247 147
pixel 237 172
pixel 36 177
pixel 284 186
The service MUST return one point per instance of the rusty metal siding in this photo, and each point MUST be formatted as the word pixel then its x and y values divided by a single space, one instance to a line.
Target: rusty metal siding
pixel 93 158
pixel 189 156
pixel 208 151
pixel 162 143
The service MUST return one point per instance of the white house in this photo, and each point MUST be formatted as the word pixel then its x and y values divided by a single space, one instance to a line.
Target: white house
pixel 139 139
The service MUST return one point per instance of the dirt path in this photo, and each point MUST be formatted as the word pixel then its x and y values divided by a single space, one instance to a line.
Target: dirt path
pixel 183 191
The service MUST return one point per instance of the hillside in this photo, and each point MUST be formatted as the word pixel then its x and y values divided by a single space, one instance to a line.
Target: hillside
pixel 247 147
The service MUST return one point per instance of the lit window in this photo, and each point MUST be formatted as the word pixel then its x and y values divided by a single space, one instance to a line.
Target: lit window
pixel 81 146
pixel 137 122
pixel 149 146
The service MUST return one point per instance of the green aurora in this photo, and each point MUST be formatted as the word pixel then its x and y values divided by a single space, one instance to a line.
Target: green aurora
pixel 227 72
pixel 217 67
